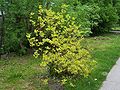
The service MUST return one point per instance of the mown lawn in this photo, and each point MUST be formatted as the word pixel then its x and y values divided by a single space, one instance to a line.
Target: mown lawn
pixel 23 73
pixel 116 28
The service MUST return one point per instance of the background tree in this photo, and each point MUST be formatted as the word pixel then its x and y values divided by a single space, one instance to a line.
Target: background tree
pixel 17 24
pixel 96 16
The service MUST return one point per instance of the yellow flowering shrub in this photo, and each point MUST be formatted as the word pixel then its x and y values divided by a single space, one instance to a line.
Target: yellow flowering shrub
pixel 58 39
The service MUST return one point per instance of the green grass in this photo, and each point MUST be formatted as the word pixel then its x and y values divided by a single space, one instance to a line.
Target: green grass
pixel 116 28
pixel 22 73
pixel 106 52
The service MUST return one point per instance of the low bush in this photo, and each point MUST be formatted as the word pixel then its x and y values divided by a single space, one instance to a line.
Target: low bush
pixel 58 40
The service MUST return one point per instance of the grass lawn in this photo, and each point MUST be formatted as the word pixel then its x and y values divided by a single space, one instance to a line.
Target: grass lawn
pixel 22 73
pixel 116 28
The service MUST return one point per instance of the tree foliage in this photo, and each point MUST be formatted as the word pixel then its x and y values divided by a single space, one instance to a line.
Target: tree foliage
pixel 99 16
pixel 96 16
pixel 16 23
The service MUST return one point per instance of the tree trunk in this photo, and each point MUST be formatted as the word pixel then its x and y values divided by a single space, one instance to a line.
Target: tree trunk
pixel 1 32
pixel 53 85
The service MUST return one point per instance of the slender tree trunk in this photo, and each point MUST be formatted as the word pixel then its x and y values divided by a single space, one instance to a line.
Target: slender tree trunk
pixel 0 36
pixel 1 31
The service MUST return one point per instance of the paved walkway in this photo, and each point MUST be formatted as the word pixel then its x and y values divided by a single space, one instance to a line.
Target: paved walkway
pixel 116 31
pixel 112 81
